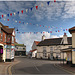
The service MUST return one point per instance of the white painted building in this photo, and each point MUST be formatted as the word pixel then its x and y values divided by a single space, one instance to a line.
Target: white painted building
pixel 50 48
pixel 34 49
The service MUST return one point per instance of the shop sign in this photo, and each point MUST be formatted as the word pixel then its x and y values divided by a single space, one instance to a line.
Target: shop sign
pixel 73 50
pixel 8 54
pixel 12 53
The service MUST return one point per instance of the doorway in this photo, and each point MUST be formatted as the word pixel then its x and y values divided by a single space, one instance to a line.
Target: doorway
pixel 1 53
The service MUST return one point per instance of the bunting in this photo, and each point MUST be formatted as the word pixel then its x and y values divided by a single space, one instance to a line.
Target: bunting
pixel 41 32
pixel 10 14
pixel 22 11
pixel 2 16
pixel 36 7
pixel 48 2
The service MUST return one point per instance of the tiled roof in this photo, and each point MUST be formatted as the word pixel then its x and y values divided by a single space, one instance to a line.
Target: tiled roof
pixel 6 29
pixel 33 50
pixel 36 42
pixel 54 41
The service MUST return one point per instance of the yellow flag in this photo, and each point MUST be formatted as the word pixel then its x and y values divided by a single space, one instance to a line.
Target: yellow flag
pixel 14 13
pixel 42 4
pixel 26 10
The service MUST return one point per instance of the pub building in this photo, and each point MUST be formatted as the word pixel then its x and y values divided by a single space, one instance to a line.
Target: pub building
pixel 71 51
pixel 7 39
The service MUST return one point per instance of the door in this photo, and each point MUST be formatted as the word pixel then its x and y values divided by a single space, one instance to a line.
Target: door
pixel 1 53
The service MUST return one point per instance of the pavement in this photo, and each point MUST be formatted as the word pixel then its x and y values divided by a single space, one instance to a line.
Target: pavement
pixel 66 67
pixel 5 67
pixel 36 66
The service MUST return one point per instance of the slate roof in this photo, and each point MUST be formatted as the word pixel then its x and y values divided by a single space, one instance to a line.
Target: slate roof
pixel 54 41
pixel 6 29
pixel 72 29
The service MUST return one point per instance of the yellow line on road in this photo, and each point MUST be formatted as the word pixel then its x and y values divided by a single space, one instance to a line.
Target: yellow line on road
pixel 63 69
pixel 9 68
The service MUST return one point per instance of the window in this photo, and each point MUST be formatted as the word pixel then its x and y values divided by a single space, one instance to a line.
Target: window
pixel 51 48
pixel 1 36
pixel 8 38
pixel 44 52
pixel 70 46
pixel 12 39
pixel 5 37
pixel 23 48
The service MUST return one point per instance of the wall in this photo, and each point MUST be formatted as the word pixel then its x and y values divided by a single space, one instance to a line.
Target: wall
pixel 20 48
pixel 34 46
pixel 34 53
pixel 56 51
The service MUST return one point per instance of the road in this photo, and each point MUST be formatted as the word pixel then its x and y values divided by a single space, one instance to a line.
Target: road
pixel 36 66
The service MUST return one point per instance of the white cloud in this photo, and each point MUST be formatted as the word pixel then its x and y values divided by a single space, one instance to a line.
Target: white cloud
pixel 55 10
pixel 69 10
pixel 54 36
pixel 28 38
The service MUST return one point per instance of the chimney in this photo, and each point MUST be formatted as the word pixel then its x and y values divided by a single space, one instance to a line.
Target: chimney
pixel 65 39
pixel 43 37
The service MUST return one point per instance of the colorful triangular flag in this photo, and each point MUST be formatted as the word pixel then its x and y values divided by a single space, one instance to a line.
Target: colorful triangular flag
pixel 48 2
pixel 36 7
pixel 22 11
pixel 31 9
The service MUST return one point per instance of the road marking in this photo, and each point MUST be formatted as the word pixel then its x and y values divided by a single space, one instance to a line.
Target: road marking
pixel 64 69
pixel 9 68
pixel 36 67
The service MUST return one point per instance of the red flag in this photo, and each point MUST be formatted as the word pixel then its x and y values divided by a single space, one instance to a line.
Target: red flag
pixel 22 11
pixel 8 19
pixel 58 31
pixel 50 31
pixel 43 32
pixel 19 21
pixel 2 16
pixel 54 0
pixel 48 26
pixel 40 25
pixel 66 29
pixel 36 7
pixel 10 14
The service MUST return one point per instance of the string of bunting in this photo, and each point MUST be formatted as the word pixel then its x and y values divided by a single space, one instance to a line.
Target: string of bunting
pixel 44 32
pixel 22 22
pixel 22 11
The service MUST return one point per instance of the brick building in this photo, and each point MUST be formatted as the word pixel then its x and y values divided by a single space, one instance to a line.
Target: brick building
pixel 7 39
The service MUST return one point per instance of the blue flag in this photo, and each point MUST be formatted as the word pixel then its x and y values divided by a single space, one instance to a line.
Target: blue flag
pixel 48 2
pixel 8 15
pixel 18 12
pixel 31 9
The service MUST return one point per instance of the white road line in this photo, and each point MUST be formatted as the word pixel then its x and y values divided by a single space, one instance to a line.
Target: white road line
pixel 36 67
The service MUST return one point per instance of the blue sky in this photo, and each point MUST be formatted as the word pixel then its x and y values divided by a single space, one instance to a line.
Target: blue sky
pixel 59 14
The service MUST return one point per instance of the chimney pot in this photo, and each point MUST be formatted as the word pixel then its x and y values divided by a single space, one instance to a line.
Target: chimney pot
pixel 64 34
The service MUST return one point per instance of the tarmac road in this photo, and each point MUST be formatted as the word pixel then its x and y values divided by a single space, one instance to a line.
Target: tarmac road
pixel 37 66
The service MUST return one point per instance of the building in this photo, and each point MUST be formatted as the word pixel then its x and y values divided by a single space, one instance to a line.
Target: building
pixel 34 49
pixel 50 48
pixel 71 51
pixel 20 49
pixel 7 39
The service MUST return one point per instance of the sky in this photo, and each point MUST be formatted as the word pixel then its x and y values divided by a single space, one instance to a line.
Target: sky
pixel 56 16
